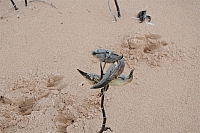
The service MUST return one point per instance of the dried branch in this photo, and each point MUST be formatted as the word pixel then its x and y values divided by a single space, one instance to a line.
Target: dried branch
pixel 14 5
pixel 103 128
pixel 105 88
pixel 118 11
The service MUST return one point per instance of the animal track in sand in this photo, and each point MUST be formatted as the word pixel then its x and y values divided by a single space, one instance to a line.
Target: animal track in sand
pixel 28 100
pixel 24 96
pixel 143 47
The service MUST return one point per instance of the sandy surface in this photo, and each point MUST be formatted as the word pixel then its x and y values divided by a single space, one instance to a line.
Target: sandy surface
pixel 41 47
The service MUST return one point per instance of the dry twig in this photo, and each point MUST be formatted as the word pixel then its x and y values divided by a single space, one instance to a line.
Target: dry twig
pixel 103 128
pixel 118 10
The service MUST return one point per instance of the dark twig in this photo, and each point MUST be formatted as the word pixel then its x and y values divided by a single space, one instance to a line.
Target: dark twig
pixel 26 3
pixel 118 11
pixel 103 128
pixel 105 88
pixel 15 4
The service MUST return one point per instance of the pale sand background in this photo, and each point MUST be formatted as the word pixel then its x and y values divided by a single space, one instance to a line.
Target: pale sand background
pixel 40 45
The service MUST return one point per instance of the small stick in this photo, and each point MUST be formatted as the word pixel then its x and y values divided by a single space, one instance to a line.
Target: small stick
pixel 103 128
pixel 26 3
pixel 14 4
pixel 118 11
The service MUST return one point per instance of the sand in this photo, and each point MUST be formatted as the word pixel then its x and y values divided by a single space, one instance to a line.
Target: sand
pixel 42 46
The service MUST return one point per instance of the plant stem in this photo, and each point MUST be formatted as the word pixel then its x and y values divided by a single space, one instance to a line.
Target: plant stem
pixel 103 128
